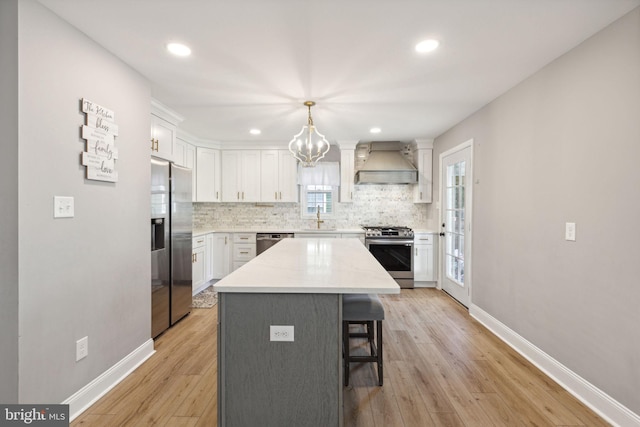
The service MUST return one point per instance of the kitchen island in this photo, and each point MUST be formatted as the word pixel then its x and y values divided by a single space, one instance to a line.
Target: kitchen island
pixel 279 331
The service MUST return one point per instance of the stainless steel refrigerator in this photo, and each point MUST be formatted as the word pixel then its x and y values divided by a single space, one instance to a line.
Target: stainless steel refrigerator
pixel 171 239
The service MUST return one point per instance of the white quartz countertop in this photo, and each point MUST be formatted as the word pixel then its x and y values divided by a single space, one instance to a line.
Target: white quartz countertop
pixel 312 265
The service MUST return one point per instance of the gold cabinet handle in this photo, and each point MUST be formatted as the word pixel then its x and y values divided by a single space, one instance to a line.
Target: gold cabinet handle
pixel 238 196
pixel 225 240
pixel 217 199
pixel 276 195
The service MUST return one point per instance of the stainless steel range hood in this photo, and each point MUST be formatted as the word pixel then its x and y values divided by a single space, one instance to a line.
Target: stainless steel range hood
pixel 386 165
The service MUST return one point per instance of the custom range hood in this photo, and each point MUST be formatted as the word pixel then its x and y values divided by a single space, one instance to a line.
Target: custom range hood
pixel 386 165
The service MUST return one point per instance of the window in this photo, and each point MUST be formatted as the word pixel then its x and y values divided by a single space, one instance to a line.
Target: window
pixel 455 229
pixel 318 197
pixel 319 187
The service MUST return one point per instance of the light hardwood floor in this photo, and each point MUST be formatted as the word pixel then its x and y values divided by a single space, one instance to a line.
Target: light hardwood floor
pixel 442 368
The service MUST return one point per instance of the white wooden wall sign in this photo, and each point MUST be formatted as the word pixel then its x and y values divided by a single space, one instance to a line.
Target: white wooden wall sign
pixel 101 153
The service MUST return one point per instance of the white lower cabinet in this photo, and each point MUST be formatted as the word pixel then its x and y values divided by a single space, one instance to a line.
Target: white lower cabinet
pixel 424 257
pixel 198 263
pixel 244 248
pixel 220 255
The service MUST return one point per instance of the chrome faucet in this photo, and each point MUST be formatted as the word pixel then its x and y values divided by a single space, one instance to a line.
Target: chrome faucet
pixel 319 221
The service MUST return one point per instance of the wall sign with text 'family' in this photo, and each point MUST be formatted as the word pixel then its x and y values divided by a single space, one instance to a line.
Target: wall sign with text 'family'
pixel 101 153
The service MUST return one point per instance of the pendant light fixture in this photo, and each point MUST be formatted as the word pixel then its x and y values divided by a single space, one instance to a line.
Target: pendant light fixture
pixel 309 145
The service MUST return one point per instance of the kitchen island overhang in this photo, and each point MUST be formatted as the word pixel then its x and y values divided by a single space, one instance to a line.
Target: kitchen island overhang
pixel 297 283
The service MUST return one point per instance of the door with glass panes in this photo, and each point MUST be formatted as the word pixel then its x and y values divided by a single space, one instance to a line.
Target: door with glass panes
pixel 456 185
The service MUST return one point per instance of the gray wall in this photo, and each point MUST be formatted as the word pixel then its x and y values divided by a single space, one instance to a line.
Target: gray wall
pixel 563 146
pixel 9 202
pixel 89 275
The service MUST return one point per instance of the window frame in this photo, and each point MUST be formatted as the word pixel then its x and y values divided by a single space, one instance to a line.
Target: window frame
pixel 304 191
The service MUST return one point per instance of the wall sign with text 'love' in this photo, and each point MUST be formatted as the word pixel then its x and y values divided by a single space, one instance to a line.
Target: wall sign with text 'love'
pixel 99 131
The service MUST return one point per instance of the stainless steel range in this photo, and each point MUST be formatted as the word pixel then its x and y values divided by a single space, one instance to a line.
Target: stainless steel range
pixel 392 246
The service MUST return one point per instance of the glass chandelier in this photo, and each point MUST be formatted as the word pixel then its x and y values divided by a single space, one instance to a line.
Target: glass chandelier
pixel 309 145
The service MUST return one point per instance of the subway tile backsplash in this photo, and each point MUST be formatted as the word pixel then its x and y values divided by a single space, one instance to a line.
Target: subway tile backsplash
pixel 372 205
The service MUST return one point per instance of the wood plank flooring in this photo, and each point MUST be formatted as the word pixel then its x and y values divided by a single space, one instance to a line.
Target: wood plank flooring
pixel 442 368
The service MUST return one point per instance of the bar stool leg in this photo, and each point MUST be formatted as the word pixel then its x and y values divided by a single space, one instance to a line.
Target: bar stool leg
pixel 379 333
pixel 345 347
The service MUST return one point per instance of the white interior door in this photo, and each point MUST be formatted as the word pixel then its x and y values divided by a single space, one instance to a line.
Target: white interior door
pixel 455 190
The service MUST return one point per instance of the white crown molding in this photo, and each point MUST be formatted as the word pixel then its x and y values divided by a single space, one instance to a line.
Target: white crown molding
pixel 164 112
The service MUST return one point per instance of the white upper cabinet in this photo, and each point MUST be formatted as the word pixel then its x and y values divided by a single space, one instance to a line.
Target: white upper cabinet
pixel 347 170
pixel 208 180
pixel 278 181
pixel 423 191
pixel 347 165
pixel 184 154
pixel 163 137
pixel 164 124
pixel 241 175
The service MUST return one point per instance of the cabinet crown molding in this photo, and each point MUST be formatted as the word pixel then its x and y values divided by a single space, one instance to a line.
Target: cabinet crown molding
pixel 164 112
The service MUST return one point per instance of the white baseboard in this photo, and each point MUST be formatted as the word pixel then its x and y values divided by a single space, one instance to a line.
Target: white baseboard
pixel 97 388
pixel 202 287
pixel 600 402
pixel 424 284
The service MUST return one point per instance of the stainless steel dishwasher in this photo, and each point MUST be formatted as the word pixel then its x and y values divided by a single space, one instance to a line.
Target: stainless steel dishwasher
pixel 265 240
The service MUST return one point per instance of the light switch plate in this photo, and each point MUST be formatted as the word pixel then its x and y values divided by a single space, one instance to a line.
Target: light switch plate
pixel 570 231
pixel 82 348
pixel 63 207
pixel 281 333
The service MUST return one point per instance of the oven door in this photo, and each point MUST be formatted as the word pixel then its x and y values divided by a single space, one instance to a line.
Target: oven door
pixel 396 256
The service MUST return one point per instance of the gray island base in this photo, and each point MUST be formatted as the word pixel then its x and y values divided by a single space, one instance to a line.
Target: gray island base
pixel 289 376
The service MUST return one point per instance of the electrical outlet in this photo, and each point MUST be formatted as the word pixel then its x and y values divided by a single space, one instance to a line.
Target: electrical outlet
pixel 82 348
pixel 63 207
pixel 570 231
pixel 281 333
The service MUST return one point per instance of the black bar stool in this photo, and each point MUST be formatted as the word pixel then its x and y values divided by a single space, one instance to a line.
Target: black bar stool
pixel 367 310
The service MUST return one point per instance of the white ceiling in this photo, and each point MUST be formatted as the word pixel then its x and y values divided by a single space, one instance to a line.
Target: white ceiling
pixel 255 62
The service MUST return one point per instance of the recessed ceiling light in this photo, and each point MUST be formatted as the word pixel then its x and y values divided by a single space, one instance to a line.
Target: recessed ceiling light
pixel 427 45
pixel 255 131
pixel 179 49
pixel 375 130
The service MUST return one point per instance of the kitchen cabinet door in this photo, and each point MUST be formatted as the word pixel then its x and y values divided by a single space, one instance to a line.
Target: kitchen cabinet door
pixel 198 271
pixel 347 166
pixel 209 257
pixel 163 137
pixel 279 176
pixel 221 255
pixel 422 192
pixel 424 257
pixel 269 182
pixel 190 162
pixel 287 177
pixel 207 175
pixel 241 172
